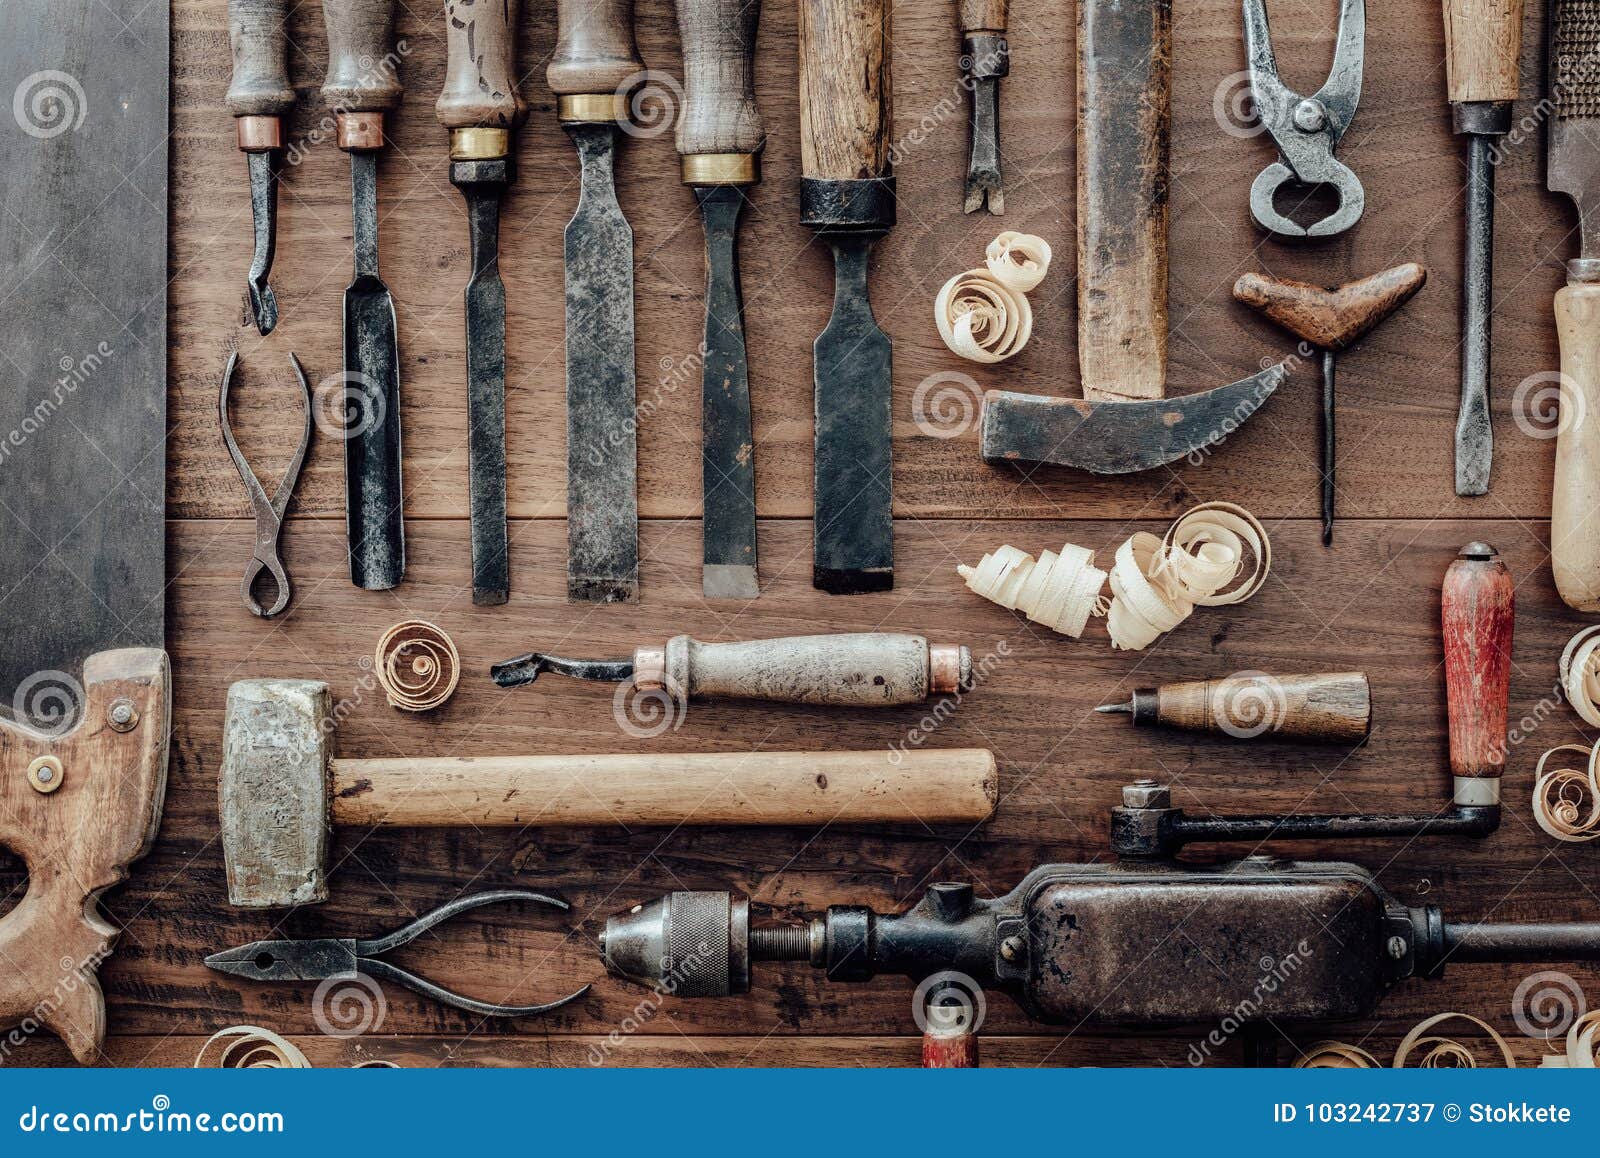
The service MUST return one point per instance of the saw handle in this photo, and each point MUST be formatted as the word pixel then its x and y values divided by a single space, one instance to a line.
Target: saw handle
pixel 1574 535
pixel 363 71
pixel 845 98
pixel 1477 609
pixel 480 81
pixel 595 51
pixel 719 100
pixel 260 45
pixel 1483 44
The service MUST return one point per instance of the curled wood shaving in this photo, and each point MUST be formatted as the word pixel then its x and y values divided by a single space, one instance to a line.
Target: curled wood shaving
pixel 1059 591
pixel 418 666
pixel 1444 1053
pixel 249 1047
pixel 1561 796
pixel 981 318
pixel 1580 674
pixel 1018 261
pixel 1336 1055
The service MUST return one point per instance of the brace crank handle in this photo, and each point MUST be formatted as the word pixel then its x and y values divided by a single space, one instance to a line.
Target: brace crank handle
pixel 260 93
pixel 480 104
pixel 596 63
pixel 845 98
pixel 1478 610
pixel 363 79
pixel 719 132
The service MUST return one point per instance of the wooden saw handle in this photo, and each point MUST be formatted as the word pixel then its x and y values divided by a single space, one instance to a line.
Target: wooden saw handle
pixel 1482 44
pixel 1478 607
pixel 845 100
pixel 952 786
pixel 1124 126
pixel 1574 531
pixel 260 47
pixel 480 82
pixel 719 91
pixel 78 838
pixel 595 51
pixel 363 74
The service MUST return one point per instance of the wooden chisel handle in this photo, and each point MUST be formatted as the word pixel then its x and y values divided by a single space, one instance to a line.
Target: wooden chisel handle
pixel 953 786
pixel 596 61
pixel 981 15
pixel 867 669
pixel 1483 44
pixel 720 131
pixel 845 98
pixel 1574 515
pixel 260 93
pixel 480 82
pixel 363 71
pixel 1124 126
pixel 1478 608
pixel 1330 708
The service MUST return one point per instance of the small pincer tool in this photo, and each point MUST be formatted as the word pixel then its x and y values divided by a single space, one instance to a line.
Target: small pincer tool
pixel 345 959
pixel 268 511
pixel 1306 129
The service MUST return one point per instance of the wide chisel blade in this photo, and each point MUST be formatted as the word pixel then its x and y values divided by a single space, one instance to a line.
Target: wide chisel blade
pixel 481 183
pixel 602 463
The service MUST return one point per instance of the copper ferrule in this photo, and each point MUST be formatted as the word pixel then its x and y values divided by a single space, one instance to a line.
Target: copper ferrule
pixel 650 668
pixel 949 669
pixel 361 132
pixel 720 169
pixel 592 107
pixel 479 144
pixel 259 134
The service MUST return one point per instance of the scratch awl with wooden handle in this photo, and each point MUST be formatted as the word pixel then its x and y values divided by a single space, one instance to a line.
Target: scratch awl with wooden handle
pixel 864 669
pixel 1333 708
pixel 259 97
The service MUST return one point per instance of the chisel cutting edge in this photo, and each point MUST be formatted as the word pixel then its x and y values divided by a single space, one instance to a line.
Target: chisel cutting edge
pixel 258 98
pixel 985 58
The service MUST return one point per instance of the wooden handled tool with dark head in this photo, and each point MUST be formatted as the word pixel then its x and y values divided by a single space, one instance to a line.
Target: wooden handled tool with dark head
pixel 720 138
pixel 1334 708
pixel 480 106
pixel 258 98
pixel 985 58
pixel 1478 612
pixel 595 67
pixel 847 195
pixel 362 84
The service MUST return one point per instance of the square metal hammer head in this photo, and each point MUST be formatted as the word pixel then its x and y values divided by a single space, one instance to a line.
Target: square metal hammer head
pixel 277 741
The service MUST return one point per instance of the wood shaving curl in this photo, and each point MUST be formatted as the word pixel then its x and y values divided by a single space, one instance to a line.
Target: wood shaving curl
pixel 418 665
pixel 1561 796
pixel 1336 1055
pixel 1580 674
pixel 1059 591
pixel 1018 261
pixel 249 1047
pixel 1444 1053
pixel 984 314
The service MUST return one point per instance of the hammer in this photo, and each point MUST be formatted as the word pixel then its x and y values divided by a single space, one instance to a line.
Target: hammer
pixel 281 790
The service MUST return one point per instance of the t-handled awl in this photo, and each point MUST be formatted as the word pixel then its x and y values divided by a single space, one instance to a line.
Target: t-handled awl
pixel 258 98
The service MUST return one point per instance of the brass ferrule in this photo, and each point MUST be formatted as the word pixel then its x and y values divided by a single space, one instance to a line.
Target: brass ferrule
pixel 720 169
pixel 949 669
pixel 479 144
pixel 592 107
pixel 361 132
pixel 259 134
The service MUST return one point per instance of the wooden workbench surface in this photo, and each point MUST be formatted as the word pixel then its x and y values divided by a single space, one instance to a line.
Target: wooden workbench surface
pixel 1369 602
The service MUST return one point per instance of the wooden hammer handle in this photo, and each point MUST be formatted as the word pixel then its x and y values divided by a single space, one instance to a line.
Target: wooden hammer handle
pixel 595 51
pixel 260 47
pixel 1483 44
pixel 716 788
pixel 363 74
pixel 480 82
pixel 1477 611
pixel 845 98
pixel 719 90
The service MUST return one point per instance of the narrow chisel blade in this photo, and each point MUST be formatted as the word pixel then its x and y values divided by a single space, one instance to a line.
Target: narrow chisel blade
pixel 1474 431
pixel 264 215
pixel 728 442
pixel 983 161
pixel 602 455
pixel 482 183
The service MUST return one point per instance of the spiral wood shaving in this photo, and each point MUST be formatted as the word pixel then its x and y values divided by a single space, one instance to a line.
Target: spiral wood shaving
pixel 1439 1052
pixel 1336 1055
pixel 249 1047
pixel 984 314
pixel 1155 583
pixel 1566 801
pixel 418 666
pixel 1018 261
pixel 1580 674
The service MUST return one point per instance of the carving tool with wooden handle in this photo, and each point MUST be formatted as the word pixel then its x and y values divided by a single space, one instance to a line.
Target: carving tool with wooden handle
pixel 592 73
pixel 1331 320
pixel 720 138
pixel 1334 708
pixel 361 86
pixel 985 58
pixel 847 196
pixel 1573 89
pixel 480 106
pixel 1483 42
pixel 864 669
pixel 258 98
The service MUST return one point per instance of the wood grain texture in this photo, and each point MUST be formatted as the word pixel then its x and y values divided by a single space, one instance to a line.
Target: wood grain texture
pixel 480 80
pixel 1331 319
pixel 719 112
pixel 846 95
pixel 259 42
pixel 596 52
pixel 1478 617
pixel 981 15
pixel 1335 708
pixel 1483 49
pixel 867 670
pixel 363 59
pixel 1574 511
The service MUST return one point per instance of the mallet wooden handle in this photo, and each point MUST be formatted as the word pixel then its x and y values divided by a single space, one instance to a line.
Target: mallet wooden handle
pixel 1477 610
pixel 260 93
pixel 715 788
pixel 595 57
pixel 1482 43
pixel 845 99
pixel 1574 527
pixel 719 118
pixel 480 83
pixel 1332 708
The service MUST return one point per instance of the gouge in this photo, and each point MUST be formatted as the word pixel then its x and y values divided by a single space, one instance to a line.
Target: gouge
pixel 847 196
pixel 1334 708
pixel 480 106
pixel 593 71
pixel 985 58
pixel 1483 42
pixel 865 669
pixel 361 85
pixel 258 98
pixel 1573 88
pixel 720 138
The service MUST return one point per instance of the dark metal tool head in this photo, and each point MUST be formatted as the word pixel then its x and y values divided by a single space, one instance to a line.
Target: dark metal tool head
pixel 264 214
pixel 985 58
pixel 1573 86
pixel 524 669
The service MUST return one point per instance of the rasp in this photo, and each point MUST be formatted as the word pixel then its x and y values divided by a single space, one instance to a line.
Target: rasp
pixel 480 106
pixel 1573 91
pixel 985 58
pixel 1483 43
pixel 258 98
pixel 593 71
pixel 363 83
pixel 847 195
pixel 720 137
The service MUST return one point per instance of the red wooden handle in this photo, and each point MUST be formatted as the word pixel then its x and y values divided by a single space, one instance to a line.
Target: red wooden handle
pixel 949 1051
pixel 1478 607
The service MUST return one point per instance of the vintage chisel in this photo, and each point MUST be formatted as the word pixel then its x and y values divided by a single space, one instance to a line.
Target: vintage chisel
pixel 480 106
pixel 594 68
pixel 1483 43
pixel 361 85
pixel 258 98
pixel 847 195
pixel 985 58
pixel 720 137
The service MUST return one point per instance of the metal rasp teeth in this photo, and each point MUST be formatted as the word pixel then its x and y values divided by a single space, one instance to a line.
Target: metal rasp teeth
pixel 1575 58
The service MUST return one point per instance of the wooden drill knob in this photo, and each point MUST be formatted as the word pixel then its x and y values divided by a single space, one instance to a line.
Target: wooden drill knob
pixel 1331 318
